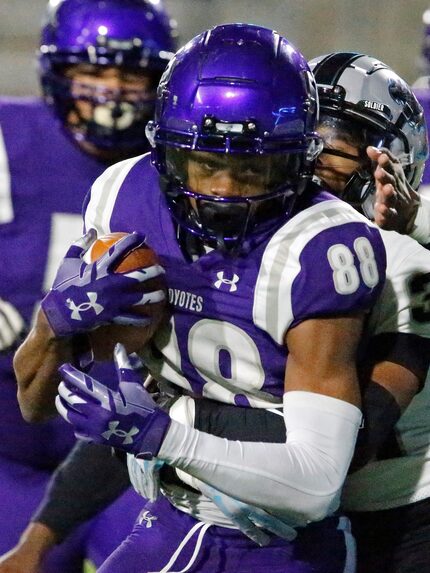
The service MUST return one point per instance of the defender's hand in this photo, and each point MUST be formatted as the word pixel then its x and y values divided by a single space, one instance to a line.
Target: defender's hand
pixel 249 519
pixel 396 203
pixel 85 296
pixel 128 418
pixel 145 476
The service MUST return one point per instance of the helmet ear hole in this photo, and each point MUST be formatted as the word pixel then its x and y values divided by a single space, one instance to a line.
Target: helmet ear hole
pixel 150 132
pixel 314 149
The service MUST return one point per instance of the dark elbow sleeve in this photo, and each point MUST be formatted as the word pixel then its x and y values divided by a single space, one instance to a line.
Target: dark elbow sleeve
pixel 88 480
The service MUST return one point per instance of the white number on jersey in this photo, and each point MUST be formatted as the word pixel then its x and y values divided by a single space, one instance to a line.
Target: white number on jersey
pixel 6 207
pixel 419 287
pixel 212 343
pixel 65 228
pixel 346 276
pixel 220 338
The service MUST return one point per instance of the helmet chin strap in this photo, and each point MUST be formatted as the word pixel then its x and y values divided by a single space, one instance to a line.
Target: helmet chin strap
pixel 359 192
pixel 358 189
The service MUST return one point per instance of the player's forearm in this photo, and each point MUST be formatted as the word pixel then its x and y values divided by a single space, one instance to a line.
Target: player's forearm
pixel 28 553
pixel 300 479
pixel 36 365
pixel 38 538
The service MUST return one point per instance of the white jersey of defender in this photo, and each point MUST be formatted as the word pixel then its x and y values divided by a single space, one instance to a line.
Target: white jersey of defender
pixel 404 307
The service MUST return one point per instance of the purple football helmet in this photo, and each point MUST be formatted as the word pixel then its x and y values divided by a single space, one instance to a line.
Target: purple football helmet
pixel 367 101
pixel 245 92
pixel 134 35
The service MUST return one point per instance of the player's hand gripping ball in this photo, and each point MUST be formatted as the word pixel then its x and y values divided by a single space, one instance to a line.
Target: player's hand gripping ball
pixel 104 338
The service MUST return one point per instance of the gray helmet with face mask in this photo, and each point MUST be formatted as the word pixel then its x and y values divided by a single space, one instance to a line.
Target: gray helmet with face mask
pixel 366 93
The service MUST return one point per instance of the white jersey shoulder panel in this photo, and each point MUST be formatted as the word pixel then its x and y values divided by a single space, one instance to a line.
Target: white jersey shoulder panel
pixel 280 265
pixel 104 192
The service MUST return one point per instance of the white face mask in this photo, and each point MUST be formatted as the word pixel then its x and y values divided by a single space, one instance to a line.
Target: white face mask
pixel 124 112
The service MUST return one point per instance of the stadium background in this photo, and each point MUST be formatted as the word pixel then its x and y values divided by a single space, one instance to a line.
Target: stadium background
pixel 389 30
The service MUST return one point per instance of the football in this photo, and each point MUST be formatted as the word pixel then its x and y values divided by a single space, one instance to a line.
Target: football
pixel 104 338
pixel 136 259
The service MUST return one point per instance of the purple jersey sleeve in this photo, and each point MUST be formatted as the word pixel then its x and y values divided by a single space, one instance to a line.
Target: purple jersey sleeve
pixel 332 262
pixel 342 271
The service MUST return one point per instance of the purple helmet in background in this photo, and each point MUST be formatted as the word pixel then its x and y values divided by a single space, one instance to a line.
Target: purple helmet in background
pixel 133 34
pixel 243 91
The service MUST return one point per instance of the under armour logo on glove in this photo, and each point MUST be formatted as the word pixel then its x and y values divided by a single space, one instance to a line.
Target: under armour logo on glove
pixel 127 418
pixel 118 432
pixel 112 297
pixel 84 306
pixel 223 281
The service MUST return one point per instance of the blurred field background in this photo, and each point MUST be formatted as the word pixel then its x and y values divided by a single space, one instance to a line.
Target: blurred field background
pixel 389 30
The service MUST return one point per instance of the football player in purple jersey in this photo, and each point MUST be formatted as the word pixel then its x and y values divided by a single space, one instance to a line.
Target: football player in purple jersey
pixel 270 279
pixel 100 63
pixel 359 109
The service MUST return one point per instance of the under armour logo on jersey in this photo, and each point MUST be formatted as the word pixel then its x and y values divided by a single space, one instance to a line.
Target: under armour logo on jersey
pixel 84 306
pixel 147 518
pixel 115 431
pixel 223 281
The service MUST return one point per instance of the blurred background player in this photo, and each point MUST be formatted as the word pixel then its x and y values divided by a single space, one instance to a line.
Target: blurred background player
pixel 100 63
pixel 236 191
pixel 388 499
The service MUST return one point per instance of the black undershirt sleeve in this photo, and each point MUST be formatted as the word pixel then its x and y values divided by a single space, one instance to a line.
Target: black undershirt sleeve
pixel 377 438
pixel 86 482
pixel 235 423
pixel 381 412
pixel 408 350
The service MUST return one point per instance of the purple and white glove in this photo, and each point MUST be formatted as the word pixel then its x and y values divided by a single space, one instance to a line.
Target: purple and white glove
pixel 85 296
pixel 127 418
